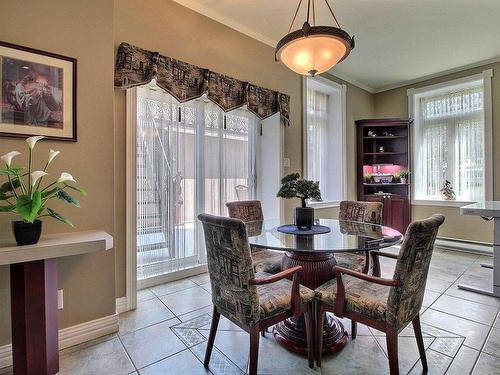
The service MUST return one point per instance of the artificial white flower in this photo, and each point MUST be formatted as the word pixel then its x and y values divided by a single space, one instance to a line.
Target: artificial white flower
pixel 36 175
pixel 7 158
pixel 52 155
pixel 66 177
pixel 33 140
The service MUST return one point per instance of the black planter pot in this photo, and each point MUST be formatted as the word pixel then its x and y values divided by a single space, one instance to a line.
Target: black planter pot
pixel 304 217
pixel 27 233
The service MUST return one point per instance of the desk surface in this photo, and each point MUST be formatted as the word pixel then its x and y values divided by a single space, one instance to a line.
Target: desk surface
pixel 56 246
pixel 486 208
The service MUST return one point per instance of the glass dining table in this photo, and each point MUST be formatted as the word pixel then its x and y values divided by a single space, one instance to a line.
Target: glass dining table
pixel 316 254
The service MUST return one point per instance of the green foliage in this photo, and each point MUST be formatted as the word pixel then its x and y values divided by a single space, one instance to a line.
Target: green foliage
pixel 62 195
pixel 9 208
pixel 10 171
pixel 76 188
pixel 59 217
pixel 292 186
pixel 10 186
pixel 28 207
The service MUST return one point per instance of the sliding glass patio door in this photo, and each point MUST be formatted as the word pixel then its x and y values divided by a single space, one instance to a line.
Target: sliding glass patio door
pixel 189 159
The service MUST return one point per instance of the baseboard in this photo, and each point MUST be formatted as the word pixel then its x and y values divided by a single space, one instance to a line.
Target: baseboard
pixel 71 336
pixel 121 305
pixel 475 247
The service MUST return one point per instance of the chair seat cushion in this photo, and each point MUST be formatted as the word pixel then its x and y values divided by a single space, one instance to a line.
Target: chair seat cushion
pixel 361 296
pixel 275 298
pixel 353 261
pixel 266 260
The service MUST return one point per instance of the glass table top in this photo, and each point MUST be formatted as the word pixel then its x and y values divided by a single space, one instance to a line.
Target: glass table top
pixel 344 236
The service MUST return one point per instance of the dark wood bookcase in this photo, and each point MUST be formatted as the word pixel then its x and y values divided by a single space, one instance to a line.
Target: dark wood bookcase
pixel 383 149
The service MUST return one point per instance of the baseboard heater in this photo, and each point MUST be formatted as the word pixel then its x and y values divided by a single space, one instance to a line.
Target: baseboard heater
pixel 466 246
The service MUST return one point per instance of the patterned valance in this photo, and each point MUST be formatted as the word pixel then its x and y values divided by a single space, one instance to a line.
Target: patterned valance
pixel 135 66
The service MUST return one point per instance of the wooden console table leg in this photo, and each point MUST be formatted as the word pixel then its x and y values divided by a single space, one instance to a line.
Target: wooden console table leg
pixel 34 317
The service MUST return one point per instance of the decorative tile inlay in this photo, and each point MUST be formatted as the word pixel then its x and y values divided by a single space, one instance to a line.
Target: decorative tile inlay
pixel 447 345
pixel 196 323
pixel 189 336
pixel 438 363
pixel 219 363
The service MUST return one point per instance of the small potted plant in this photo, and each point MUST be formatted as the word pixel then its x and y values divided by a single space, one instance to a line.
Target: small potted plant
pixel 403 176
pixel 24 194
pixel 292 186
pixel 368 178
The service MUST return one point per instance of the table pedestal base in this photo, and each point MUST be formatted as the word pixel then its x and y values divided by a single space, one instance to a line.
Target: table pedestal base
pixel 291 333
pixel 34 317
pixel 317 269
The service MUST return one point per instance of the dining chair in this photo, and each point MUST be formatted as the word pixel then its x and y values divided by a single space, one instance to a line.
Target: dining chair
pixel 364 212
pixel 253 301
pixel 250 212
pixel 387 305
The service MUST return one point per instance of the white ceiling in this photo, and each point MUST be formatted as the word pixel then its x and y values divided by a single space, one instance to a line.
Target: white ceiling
pixel 397 41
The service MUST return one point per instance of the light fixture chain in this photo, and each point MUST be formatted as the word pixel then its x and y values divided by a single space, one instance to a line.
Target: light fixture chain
pixel 294 16
pixel 308 9
pixel 314 12
pixel 333 15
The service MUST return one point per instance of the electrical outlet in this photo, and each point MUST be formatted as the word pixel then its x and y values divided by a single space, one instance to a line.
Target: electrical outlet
pixel 286 162
pixel 60 299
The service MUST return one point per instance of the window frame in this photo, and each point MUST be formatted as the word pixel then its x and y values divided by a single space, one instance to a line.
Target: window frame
pixel 414 95
pixel 336 88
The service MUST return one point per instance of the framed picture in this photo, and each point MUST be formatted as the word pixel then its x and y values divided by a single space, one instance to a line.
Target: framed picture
pixel 38 93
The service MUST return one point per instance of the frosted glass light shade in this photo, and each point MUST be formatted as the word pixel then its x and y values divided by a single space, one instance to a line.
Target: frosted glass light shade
pixel 314 50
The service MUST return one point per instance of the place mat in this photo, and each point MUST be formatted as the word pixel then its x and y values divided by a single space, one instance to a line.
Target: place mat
pixel 292 229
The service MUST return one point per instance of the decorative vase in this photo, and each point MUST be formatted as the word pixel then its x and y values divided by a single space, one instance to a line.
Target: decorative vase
pixel 403 180
pixel 27 233
pixel 304 218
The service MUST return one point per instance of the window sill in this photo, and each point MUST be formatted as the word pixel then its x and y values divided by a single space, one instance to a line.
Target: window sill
pixel 439 203
pixel 331 204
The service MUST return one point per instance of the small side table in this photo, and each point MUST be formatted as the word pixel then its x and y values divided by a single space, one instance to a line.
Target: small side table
pixel 33 294
pixel 488 210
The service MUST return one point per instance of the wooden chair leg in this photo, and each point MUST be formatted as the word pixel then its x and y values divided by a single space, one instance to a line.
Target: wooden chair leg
pixel 254 349
pixel 354 329
pixel 319 331
pixel 420 342
pixel 309 334
pixel 391 337
pixel 211 336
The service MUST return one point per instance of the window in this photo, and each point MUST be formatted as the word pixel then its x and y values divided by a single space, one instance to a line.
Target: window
pixel 190 159
pixel 325 137
pixel 451 139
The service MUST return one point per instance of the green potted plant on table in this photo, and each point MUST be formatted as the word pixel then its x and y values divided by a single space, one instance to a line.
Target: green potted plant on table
pixel 402 176
pixel 292 186
pixel 24 194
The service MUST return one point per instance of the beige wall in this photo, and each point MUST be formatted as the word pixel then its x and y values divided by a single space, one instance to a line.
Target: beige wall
pixel 81 29
pixel 394 103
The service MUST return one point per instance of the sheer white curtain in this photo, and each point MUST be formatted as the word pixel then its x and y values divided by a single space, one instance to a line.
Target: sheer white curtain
pixel 449 144
pixel 317 135
pixel 189 160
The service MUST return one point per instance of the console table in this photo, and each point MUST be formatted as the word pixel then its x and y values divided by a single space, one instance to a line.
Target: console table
pixel 489 210
pixel 33 292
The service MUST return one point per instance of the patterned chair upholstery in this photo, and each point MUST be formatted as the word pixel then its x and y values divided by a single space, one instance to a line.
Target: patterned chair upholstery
pixel 253 301
pixel 364 212
pixel 250 212
pixel 388 305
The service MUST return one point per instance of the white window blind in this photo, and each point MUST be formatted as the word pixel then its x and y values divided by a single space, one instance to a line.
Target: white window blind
pixel 189 160
pixel 449 143
pixel 325 138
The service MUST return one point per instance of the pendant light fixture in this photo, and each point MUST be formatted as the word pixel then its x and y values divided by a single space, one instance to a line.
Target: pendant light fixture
pixel 313 49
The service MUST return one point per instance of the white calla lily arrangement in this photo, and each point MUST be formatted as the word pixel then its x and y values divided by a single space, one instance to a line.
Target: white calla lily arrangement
pixel 23 192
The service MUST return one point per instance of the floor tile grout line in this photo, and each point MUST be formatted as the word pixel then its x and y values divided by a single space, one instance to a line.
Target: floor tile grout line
pixel 128 354
pixel 484 344
pixel 147 326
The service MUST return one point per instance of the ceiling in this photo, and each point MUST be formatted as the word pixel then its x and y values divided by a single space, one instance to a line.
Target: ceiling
pixel 397 41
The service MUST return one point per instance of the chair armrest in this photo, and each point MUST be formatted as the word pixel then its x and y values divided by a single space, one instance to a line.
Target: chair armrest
pixel 378 253
pixel 340 300
pixel 295 302
pixel 374 279
pixel 276 277
pixel 376 264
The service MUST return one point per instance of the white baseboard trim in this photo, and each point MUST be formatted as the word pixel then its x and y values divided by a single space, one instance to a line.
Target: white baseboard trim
pixel 466 246
pixel 71 336
pixel 121 305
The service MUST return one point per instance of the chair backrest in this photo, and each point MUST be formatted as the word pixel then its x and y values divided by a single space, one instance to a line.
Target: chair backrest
pixel 412 267
pixel 365 212
pixel 245 210
pixel 230 268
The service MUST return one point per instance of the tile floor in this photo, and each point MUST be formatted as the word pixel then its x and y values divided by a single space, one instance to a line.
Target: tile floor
pixel 167 333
